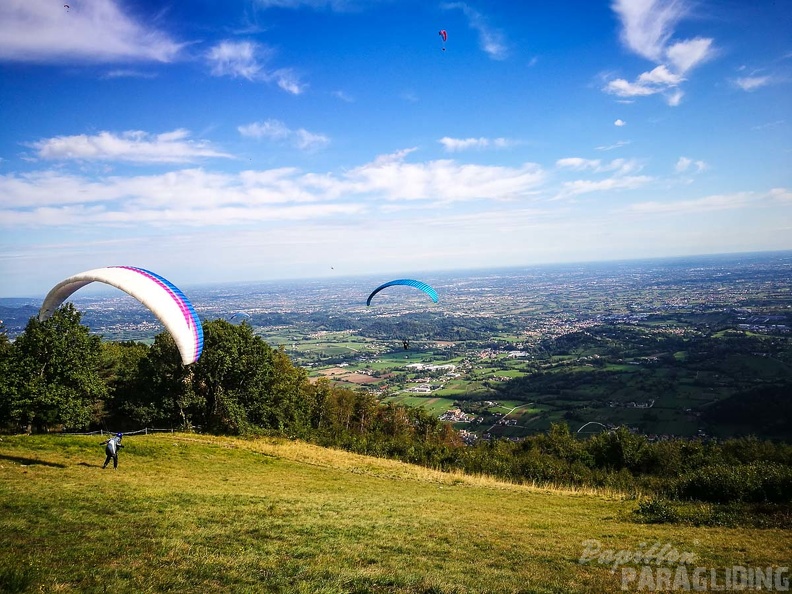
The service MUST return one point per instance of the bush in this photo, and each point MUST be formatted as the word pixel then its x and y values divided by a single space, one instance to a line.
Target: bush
pixel 656 511
pixel 759 482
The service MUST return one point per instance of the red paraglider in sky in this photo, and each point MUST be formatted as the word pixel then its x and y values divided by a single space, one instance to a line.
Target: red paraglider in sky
pixel 444 36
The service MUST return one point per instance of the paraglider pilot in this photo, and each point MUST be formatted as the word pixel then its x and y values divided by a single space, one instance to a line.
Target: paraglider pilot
pixel 112 446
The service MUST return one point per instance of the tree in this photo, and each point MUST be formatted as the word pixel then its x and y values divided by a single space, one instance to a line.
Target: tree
pixel 236 380
pixel 120 366
pixel 56 379
pixel 162 391
pixel 6 375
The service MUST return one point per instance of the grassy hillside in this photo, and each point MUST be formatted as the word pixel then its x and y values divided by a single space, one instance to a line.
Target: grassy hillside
pixel 200 514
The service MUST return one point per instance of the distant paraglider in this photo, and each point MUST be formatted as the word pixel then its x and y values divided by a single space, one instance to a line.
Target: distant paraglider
pixel 239 317
pixel 604 428
pixel 164 299
pixel 444 36
pixel 407 282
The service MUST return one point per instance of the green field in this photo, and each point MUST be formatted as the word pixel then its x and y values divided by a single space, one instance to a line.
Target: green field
pixel 192 513
pixel 432 405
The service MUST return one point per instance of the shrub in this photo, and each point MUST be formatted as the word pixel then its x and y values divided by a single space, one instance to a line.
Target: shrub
pixel 758 482
pixel 656 511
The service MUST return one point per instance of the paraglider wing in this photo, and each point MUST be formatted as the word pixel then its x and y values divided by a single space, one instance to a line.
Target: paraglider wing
pixel 240 317
pixel 408 282
pixel 444 35
pixel 158 294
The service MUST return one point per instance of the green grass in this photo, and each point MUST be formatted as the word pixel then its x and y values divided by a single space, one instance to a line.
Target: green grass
pixel 200 514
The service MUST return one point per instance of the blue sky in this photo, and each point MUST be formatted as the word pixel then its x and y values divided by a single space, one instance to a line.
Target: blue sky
pixel 214 141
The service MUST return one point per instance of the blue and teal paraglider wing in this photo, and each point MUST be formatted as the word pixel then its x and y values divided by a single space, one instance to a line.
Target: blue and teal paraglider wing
pixel 407 282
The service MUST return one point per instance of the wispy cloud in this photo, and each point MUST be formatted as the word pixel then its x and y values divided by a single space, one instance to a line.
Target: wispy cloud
pixel 615 145
pixel 343 96
pixel 751 83
pixel 620 174
pixel 462 144
pixel 247 59
pixel 278 131
pixel 92 32
pixel 490 39
pixel 133 146
pixel 685 164
pixel 586 186
pixel 392 177
pixel 617 166
pixel 647 30
pixel 336 5
pixel 128 73
pixel 196 196
pixel 647 25
pixel 236 59
pixel 769 125
pixel 706 204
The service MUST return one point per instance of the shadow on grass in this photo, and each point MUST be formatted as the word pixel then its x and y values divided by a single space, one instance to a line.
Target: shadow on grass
pixel 31 461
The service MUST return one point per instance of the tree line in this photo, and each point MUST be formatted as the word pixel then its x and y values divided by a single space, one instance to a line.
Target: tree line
pixel 56 376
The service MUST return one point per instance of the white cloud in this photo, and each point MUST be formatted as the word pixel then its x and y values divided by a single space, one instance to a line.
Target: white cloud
pixel 685 164
pixel 658 80
pixel 461 144
pixel 127 73
pixel 490 39
pixel 615 145
pixel 620 176
pixel 661 77
pixel 577 187
pixel 344 96
pixel 647 25
pixel 276 130
pixel 616 166
pixel 619 123
pixel 781 194
pixel 751 83
pixel 235 59
pixel 196 196
pixel 578 163
pixel 706 204
pixel 443 181
pixel 133 146
pixel 288 80
pixel 245 59
pixel 769 125
pixel 647 29
pixel 684 55
pixel 674 98
pixel 337 5
pixel 93 32
pixel 624 88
